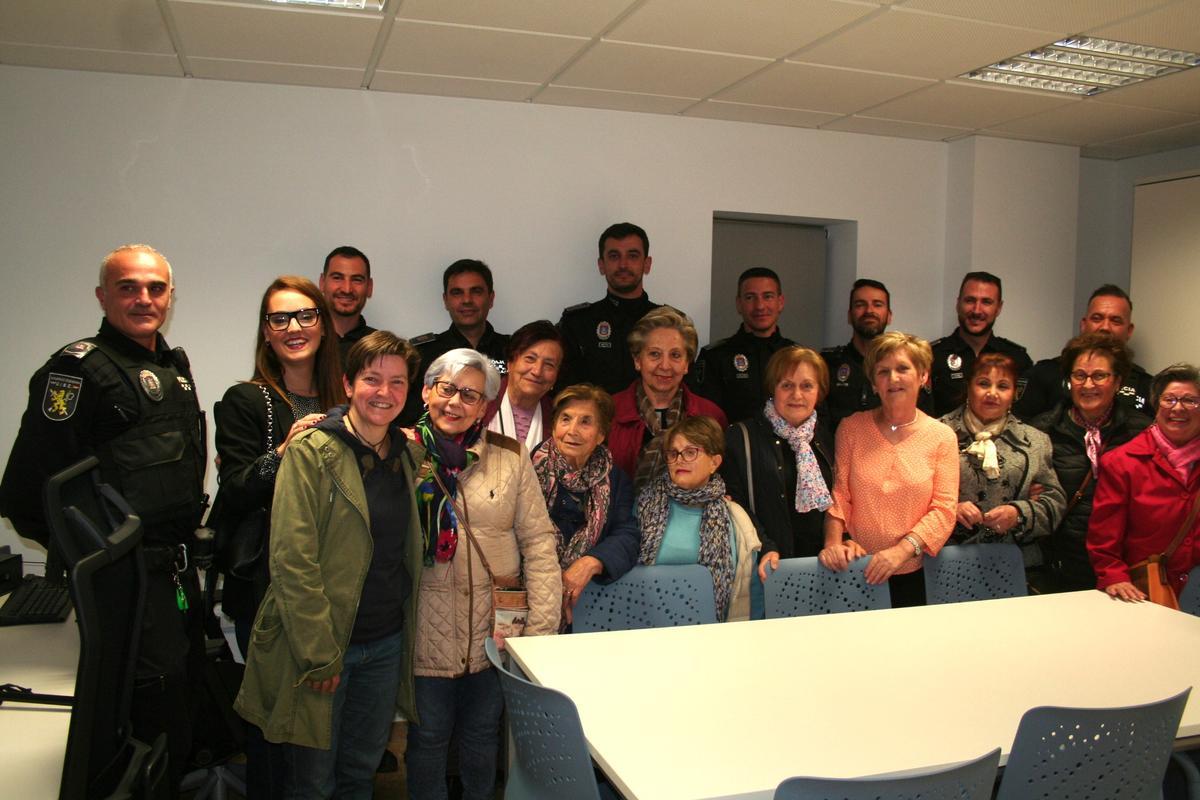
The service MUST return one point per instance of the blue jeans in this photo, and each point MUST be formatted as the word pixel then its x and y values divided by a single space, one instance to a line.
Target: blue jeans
pixel 364 706
pixel 469 706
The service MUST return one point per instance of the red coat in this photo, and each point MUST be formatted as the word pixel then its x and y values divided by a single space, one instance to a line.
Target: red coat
pixel 629 429
pixel 1140 503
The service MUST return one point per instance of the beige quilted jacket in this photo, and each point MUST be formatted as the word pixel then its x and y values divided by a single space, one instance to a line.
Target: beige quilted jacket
pixel 507 513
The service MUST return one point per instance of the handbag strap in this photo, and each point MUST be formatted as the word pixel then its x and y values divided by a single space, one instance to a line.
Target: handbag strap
pixel 1187 525
pixel 465 520
pixel 749 465
pixel 1075 498
pixel 270 418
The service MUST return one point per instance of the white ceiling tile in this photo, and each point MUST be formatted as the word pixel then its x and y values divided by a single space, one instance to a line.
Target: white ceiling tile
pixel 1063 16
pixel 912 43
pixel 656 70
pixel 130 25
pixel 1176 26
pixel 967 105
pixel 450 86
pixel 618 101
pixel 889 127
pixel 1179 92
pixel 819 88
pixel 277 34
pixel 1089 122
pixel 438 49
pixel 573 17
pixel 770 28
pixel 1156 141
pixel 742 112
pixel 33 55
pixel 265 72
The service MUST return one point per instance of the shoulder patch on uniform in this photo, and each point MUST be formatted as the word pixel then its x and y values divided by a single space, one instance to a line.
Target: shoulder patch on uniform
pixel 79 349
pixel 576 307
pixel 424 338
pixel 62 396
pixel 506 442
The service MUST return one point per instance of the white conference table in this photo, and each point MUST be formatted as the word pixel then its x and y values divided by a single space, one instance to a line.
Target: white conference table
pixel 730 710
pixel 33 738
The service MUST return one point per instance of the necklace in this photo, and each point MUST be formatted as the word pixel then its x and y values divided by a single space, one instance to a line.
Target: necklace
pixel 373 445
pixel 895 428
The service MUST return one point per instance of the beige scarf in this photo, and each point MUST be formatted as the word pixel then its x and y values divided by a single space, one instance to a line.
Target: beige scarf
pixel 983 449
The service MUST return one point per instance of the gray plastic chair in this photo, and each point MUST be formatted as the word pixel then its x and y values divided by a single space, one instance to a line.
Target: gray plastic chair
pixel 965 572
pixel 970 780
pixel 1076 753
pixel 801 587
pixel 550 759
pixel 648 597
pixel 1189 598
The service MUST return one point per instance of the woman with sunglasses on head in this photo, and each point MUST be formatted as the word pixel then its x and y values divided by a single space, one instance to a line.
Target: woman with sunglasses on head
pixel 296 378
pixel 687 519
pixel 482 516
pixel 1080 432
pixel 1148 490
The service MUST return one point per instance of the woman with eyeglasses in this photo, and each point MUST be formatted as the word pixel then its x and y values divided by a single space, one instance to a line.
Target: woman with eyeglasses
pixel 1148 489
pixel 482 517
pixel 1080 432
pixel 687 519
pixel 296 378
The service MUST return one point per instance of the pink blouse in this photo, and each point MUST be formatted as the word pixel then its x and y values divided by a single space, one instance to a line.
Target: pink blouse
pixel 882 491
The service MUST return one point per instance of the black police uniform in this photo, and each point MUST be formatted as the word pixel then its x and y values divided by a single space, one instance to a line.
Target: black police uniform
pixel 353 335
pixel 850 391
pixel 137 412
pixel 1046 387
pixel 952 361
pixel 595 336
pixel 433 345
pixel 730 371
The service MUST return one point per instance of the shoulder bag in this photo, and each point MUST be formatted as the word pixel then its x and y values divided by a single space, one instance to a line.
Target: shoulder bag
pixel 240 543
pixel 1150 575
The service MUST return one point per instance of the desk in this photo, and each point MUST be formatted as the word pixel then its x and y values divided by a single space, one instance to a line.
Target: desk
pixel 730 710
pixel 33 738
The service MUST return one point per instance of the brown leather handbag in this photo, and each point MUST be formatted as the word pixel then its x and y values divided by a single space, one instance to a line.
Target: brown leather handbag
pixel 1150 575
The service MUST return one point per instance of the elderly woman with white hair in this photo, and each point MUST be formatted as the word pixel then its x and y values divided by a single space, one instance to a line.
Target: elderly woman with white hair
pixel 484 520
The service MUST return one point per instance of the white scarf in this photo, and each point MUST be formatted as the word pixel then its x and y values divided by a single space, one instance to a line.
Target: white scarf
pixel 504 423
pixel 984 446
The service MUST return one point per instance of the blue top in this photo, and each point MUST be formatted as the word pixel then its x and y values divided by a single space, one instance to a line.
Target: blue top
pixel 681 541
pixel 620 540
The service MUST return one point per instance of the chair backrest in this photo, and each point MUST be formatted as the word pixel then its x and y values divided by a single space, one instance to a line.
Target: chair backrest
pixel 1189 598
pixel 81 511
pixel 648 597
pixel 971 780
pixel 550 759
pixel 801 587
pixel 964 572
pixel 1069 753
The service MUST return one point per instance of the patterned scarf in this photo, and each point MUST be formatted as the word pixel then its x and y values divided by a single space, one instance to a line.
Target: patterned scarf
pixel 653 508
pixel 1181 457
pixel 811 491
pixel 447 457
pixel 650 463
pixel 1092 439
pixel 554 472
pixel 983 449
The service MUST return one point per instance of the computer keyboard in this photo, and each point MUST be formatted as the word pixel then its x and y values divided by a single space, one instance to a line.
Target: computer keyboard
pixel 36 600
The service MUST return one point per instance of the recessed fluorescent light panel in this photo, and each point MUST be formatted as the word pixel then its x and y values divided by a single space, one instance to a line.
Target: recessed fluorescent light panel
pixel 1085 66
pixel 354 5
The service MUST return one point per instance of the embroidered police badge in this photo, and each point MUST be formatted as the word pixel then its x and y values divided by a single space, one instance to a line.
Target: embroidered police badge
pixel 954 361
pixel 603 330
pixel 150 385
pixel 843 373
pixel 62 396
pixel 741 363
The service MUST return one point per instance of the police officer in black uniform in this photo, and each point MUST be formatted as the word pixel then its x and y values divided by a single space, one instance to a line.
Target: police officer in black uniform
pixel 468 294
pixel 1109 311
pixel 730 371
pixel 594 334
pixel 979 303
pixel 346 283
pixel 850 390
pixel 126 398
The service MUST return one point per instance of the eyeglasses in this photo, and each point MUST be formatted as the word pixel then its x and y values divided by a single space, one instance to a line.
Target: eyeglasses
pixel 1098 378
pixel 447 390
pixel 1189 402
pixel 687 455
pixel 282 320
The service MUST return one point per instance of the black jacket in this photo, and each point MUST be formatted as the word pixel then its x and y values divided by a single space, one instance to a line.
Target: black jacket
pixel 781 528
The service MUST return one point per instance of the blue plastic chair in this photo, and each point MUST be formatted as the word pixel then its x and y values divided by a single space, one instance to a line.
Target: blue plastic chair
pixel 648 597
pixel 965 572
pixel 970 780
pixel 1076 753
pixel 550 759
pixel 1189 598
pixel 801 587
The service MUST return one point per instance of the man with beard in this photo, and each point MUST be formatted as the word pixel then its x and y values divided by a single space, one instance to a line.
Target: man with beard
pixel 850 389
pixel 979 303
pixel 346 283
pixel 594 346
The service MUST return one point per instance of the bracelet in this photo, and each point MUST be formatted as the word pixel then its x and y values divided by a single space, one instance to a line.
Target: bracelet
pixel 916 544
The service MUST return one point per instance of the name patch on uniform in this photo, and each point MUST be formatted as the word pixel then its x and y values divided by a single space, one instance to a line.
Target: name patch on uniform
pixel 603 330
pixel 184 383
pixel 62 396
pixel 500 365
pixel 741 363
pixel 954 361
pixel 150 385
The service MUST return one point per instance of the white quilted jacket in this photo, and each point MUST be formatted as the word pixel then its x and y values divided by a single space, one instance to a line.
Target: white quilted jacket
pixel 507 513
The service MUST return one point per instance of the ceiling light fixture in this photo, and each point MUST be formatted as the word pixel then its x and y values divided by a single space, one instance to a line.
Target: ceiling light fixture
pixel 353 5
pixel 1084 65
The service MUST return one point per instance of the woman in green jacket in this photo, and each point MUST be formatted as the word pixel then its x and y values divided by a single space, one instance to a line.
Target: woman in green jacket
pixel 331 650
